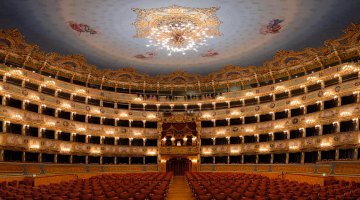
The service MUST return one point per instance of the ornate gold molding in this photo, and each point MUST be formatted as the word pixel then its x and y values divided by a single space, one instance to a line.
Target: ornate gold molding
pixel 284 61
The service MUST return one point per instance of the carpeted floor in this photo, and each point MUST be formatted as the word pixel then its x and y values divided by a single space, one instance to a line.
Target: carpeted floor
pixel 179 189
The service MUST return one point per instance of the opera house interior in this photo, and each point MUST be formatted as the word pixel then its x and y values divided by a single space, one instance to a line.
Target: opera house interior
pixel 179 99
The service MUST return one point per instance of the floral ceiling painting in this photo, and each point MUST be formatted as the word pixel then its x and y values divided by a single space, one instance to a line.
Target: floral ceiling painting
pixel 113 34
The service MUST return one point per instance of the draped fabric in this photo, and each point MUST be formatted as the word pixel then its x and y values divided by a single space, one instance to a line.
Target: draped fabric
pixel 178 166
pixel 179 130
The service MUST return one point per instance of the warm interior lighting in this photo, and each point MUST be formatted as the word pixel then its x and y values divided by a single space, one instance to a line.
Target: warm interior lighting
pixel 50 123
pixel 16 71
pixel 249 94
pixel 220 132
pixel 34 146
pixel 309 121
pixel 235 113
pixel 65 149
pixel 295 102
pixel 66 105
pixel 178 36
pixel 49 82
pixel 151 152
pixel 17 117
pixel 81 129
pixel 123 114
pixel 95 151
pixel 207 152
pixel 137 133
pixel 325 144
pixel 263 149
pixel 345 114
pixel 293 147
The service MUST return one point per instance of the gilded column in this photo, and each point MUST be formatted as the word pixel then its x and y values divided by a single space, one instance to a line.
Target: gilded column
pixel 1 154
pixel 336 154
pixel 55 158
pixel 257 159
pixel 40 157
pixel 23 157
pixel 23 129
pixel 4 127
pixel 71 159
pixel 319 156
pixel 302 157
pixel 356 154
pixel 287 158
pixel 272 159
pixel 338 101
pixel 86 159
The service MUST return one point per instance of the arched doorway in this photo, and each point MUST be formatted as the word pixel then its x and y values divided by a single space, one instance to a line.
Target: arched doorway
pixel 178 166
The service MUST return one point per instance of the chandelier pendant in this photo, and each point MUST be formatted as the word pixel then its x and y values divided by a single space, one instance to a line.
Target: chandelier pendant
pixel 177 29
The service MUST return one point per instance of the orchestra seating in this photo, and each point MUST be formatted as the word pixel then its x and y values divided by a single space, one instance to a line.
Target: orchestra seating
pixel 208 186
pixel 137 186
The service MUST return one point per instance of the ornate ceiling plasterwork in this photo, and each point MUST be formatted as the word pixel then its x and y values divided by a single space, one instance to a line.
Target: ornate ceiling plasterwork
pixel 177 28
pixel 12 40
pixel 156 17
pixel 105 32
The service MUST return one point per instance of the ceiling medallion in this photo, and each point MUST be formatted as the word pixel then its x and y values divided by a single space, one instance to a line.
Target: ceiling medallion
pixel 176 28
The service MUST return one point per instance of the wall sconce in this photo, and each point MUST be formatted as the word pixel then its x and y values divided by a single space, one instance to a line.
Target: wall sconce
pixel 293 147
pixel 34 146
pixel 123 115
pixel 263 149
pixel 235 113
pixel 17 117
pixel 249 94
pixel 325 144
pixel 207 152
pixel 220 132
pixel 81 129
pixel 309 121
pixel 345 114
pixel 279 126
pixel 279 88
pixel 137 133
pixel 65 149
pixel 235 151
pixel 95 151
pixel 152 152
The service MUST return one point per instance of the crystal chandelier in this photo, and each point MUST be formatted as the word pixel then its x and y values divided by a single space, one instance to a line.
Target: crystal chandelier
pixel 178 37
pixel 177 29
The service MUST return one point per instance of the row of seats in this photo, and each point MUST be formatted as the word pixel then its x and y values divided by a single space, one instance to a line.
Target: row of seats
pixel 234 186
pixel 152 186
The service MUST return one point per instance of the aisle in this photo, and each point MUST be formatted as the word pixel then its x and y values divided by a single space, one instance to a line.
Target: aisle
pixel 179 189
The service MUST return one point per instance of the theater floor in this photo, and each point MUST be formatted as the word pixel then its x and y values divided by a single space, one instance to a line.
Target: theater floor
pixel 179 189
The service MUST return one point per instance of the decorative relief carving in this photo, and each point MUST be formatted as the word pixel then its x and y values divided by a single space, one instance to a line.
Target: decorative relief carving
pixel 283 59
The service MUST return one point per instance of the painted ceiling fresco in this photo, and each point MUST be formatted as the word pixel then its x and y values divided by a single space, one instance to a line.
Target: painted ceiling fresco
pixel 251 30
